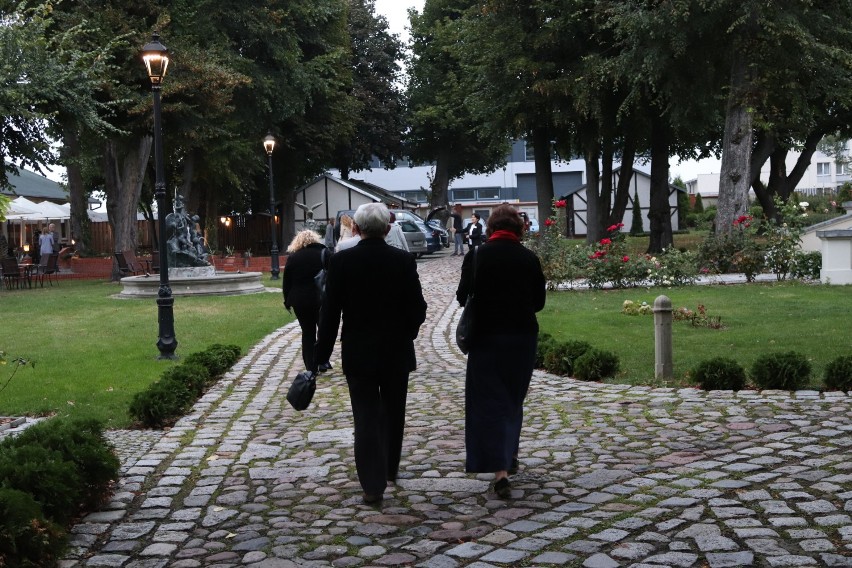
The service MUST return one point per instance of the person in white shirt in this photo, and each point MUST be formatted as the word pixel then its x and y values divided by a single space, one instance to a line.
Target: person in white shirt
pixel 395 237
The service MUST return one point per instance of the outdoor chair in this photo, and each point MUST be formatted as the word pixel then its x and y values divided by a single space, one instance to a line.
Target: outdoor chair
pixel 127 264
pixel 11 272
pixel 48 267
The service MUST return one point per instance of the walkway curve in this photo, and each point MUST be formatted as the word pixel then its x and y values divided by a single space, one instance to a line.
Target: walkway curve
pixel 611 475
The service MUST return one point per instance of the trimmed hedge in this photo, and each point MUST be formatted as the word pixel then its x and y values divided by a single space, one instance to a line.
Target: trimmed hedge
pixel 50 474
pixel 838 373
pixel 596 365
pixel 784 371
pixel 720 373
pixel 170 397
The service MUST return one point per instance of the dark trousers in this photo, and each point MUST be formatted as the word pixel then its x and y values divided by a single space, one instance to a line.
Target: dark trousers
pixel 308 320
pixel 378 408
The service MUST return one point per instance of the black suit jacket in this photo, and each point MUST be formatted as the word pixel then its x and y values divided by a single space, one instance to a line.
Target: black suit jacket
pixel 376 289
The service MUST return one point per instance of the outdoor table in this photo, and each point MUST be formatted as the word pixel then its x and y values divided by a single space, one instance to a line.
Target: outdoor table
pixel 28 270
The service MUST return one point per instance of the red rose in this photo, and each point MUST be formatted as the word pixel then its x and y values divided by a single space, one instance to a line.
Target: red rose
pixel 560 204
pixel 548 222
pixel 626 259
pixel 606 241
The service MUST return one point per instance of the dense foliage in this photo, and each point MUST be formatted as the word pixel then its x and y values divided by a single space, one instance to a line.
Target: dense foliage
pixel 50 474
pixel 168 398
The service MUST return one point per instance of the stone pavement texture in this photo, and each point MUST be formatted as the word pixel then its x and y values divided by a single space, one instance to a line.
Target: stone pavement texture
pixel 611 475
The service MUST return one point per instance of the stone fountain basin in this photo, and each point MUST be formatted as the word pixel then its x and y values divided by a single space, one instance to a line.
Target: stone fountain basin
pixel 215 284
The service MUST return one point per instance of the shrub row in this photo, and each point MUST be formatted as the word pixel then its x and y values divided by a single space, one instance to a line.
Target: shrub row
pixel 167 399
pixel 49 475
pixel 575 358
pixel 786 370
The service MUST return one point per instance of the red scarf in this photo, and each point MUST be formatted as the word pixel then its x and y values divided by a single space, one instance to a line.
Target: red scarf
pixel 504 235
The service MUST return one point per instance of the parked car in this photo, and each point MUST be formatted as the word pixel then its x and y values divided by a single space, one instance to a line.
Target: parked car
pixel 416 236
pixel 434 238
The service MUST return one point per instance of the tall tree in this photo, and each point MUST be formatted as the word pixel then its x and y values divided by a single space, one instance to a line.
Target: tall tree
pixel 377 90
pixel 441 129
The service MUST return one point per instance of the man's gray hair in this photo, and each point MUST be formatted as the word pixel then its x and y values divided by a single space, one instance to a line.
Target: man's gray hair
pixel 372 219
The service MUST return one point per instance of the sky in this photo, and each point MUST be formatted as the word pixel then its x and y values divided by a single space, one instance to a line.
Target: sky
pixel 396 13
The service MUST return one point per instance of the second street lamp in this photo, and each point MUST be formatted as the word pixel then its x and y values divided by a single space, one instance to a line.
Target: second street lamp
pixel 269 146
pixel 156 58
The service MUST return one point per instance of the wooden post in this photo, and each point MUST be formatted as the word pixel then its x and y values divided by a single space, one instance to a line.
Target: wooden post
pixel 663 367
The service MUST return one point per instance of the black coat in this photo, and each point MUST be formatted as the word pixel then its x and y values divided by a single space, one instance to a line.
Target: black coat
pixel 376 289
pixel 510 287
pixel 298 285
pixel 474 233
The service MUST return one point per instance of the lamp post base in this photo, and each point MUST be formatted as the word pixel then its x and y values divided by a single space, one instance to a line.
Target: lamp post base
pixel 275 268
pixel 166 343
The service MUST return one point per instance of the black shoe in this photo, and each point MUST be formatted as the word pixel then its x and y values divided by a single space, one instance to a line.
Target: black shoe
pixel 323 367
pixel 371 498
pixel 513 469
pixel 503 488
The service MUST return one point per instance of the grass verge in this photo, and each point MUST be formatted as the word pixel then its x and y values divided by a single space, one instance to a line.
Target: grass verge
pixel 93 352
pixel 758 318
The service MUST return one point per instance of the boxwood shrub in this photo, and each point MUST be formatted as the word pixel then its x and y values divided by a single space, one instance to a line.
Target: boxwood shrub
pixel 50 474
pixel 562 356
pixel 720 373
pixel 838 373
pixel 596 365
pixel 27 538
pixel 169 398
pixel 787 370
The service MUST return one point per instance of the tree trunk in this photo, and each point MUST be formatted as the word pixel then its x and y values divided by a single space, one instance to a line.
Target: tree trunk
pixel 187 174
pixel 659 213
pixel 605 197
pixel 780 183
pixel 593 175
pixel 734 180
pixel 622 190
pixel 543 173
pixel 440 186
pixel 124 171
pixel 81 232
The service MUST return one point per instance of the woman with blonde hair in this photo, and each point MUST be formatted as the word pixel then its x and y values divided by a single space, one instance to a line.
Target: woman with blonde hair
pixel 305 259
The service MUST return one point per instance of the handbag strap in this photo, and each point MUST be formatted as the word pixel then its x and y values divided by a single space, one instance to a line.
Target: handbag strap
pixel 473 279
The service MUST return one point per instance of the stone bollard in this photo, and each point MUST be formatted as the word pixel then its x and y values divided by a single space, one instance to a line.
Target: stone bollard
pixel 663 367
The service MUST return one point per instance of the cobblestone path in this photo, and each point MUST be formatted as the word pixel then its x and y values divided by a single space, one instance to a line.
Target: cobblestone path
pixel 610 475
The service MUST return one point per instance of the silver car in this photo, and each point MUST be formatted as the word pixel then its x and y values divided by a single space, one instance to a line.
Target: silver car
pixel 414 236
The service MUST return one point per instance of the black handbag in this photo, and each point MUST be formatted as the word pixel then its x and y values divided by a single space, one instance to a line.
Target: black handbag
pixel 465 329
pixel 302 390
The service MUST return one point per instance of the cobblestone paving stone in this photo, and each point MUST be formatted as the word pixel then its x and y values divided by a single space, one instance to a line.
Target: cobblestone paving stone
pixel 611 475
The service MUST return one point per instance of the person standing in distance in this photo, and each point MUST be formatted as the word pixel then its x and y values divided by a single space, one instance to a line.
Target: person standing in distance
pixel 377 348
pixel 474 232
pixel 458 227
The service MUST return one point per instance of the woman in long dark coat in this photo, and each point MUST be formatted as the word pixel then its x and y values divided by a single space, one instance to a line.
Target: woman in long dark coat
pixel 300 290
pixel 509 289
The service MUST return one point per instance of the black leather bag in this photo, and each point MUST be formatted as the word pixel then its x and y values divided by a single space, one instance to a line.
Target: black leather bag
pixel 302 390
pixel 465 329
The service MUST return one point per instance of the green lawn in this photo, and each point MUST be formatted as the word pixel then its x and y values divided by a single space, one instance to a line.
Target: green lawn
pixel 93 352
pixel 759 318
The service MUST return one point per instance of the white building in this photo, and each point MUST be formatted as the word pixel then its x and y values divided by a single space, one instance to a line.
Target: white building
pixel 824 174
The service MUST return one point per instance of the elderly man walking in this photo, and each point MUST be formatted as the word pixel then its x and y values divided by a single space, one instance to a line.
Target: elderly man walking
pixel 376 289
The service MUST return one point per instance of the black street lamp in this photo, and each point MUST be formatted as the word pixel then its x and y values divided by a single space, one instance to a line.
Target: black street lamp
pixel 269 146
pixel 156 58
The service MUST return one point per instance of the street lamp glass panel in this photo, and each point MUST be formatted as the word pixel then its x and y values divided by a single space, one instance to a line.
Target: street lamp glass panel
pixel 156 58
pixel 269 143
